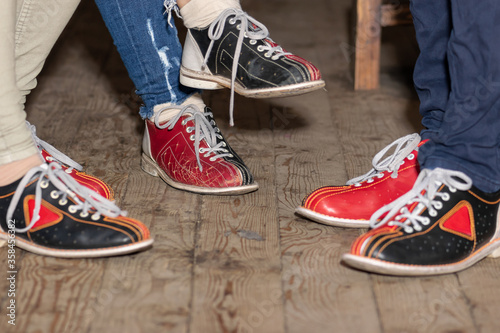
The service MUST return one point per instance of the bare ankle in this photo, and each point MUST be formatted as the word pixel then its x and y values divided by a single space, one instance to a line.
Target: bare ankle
pixel 13 171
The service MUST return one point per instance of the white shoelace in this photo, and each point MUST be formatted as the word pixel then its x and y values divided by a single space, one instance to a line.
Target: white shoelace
pixel 86 200
pixel 56 154
pixel 424 193
pixel 203 130
pixel 392 163
pixel 258 32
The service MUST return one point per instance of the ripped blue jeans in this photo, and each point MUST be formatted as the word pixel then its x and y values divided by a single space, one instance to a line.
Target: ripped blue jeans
pixel 149 47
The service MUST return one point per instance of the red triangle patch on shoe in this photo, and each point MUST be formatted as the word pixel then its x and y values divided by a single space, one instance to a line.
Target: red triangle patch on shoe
pixel 48 216
pixel 459 221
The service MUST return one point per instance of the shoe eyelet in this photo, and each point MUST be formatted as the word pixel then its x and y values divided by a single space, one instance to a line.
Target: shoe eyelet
pixel 72 209
pixel 68 171
pixel 438 205
pixel 380 176
pixel 212 159
pixel 231 155
pixel 267 55
pixel 95 217
pixel 260 48
pixel 189 129
pixel 184 122
pixel 411 157
pixel 238 27
pixel 426 221
pixel 357 185
pixel 191 137
pixel 232 21
pixel 49 158
pixel 453 190
pixel 446 197
pixel 433 213
pixel 44 184
pixel 390 224
pixel 54 195
pixel 62 202
pixel 253 41
pixel 84 214
pixel 418 228
pixel 275 57
pixel 408 230
pixel 370 180
pixel 206 155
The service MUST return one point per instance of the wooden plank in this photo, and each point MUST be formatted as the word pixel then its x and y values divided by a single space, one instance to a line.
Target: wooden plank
pixel 480 287
pixel 368 30
pixel 430 304
pixel 237 286
pixel 321 295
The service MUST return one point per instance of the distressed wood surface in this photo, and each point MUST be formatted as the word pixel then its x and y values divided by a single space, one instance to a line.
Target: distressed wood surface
pixel 243 264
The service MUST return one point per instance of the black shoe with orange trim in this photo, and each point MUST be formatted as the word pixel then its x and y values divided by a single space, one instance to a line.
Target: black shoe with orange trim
pixel 443 225
pixel 49 213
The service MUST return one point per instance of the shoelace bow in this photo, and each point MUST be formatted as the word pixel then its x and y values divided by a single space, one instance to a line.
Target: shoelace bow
pixel 423 193
pixel 392 163
pixel 258 32
pixel 86 200
pixel 56 154
pixel 203 130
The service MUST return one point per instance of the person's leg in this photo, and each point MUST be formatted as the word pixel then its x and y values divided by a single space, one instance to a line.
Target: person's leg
pixel 451 218
pixel 39 24
pixel 149 48
pixel 182 143
pixel 17 151
pixel 396 174
pixel 44 209
pixel 432 22
pixel 468 139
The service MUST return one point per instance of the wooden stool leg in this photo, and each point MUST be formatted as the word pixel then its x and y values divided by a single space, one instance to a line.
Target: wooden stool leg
pixel 367 60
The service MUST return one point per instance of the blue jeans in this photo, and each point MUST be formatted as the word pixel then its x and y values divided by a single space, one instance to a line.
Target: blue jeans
pixel 457 78
pixel 149 48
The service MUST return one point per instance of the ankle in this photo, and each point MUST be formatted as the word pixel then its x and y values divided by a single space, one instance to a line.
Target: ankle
pixel 13 171
pixel 201 13
pixel 166 114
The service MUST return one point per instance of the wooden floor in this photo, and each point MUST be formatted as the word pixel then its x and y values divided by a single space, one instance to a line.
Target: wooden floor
pixel 245 263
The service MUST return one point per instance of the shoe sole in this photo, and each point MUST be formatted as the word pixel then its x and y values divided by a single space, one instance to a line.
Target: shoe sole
pixel 207 81
pixel 387 268
pixel 76 254
pixel 151 167
pixel 331 221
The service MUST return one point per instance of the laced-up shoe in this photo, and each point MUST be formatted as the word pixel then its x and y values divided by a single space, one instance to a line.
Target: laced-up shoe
pixel 352 205
pixel 49 213
pixel 235 51
pixel 189 153
pixel 443 225
pixel 50 154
